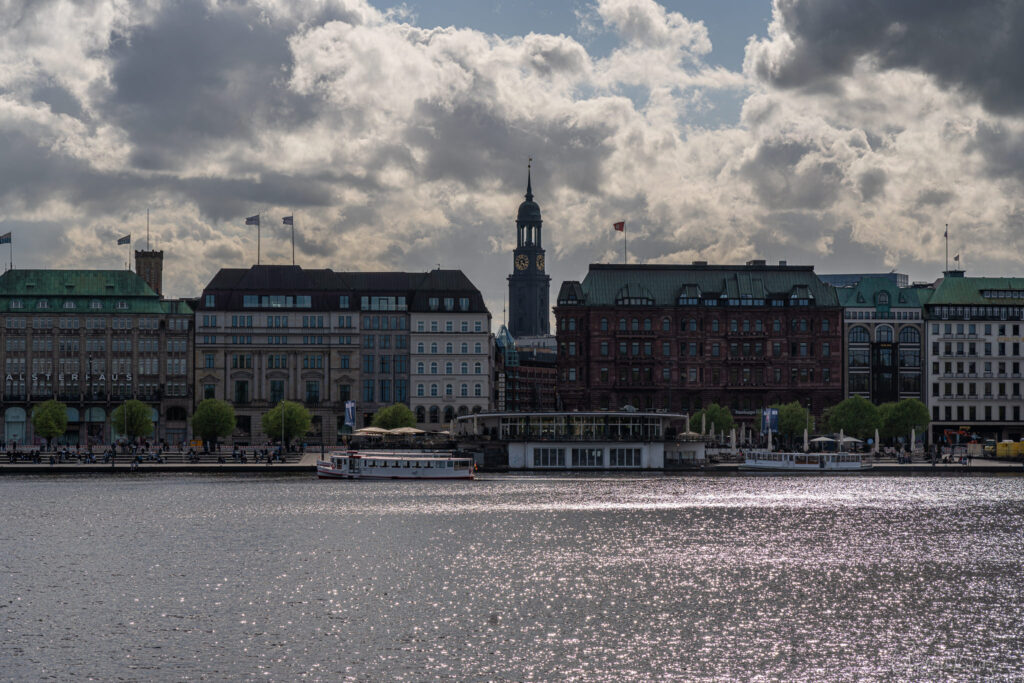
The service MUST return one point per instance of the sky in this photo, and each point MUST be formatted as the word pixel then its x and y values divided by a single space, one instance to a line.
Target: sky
pixel 843 135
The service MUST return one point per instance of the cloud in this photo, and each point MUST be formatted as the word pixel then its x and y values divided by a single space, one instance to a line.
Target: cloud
pixel 400 146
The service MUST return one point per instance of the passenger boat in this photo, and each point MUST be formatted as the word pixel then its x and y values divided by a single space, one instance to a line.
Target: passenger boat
pixel 394 465
pixel 767 461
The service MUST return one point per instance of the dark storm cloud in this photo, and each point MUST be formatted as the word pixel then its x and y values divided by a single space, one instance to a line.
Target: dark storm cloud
pixel 474 144
pixel 59 99
pixel 780 184
pixel 198 75
pixel 971 45
pixel 871 184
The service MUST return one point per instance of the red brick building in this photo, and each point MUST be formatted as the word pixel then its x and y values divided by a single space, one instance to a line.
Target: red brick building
pixel 683 337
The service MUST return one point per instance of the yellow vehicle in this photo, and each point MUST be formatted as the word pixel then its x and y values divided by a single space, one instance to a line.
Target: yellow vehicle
pixel 1009 449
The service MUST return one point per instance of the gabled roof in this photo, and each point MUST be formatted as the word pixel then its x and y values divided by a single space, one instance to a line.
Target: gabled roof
pixel 85 291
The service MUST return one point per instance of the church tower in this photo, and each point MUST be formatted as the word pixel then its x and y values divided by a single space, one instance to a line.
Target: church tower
pixel 528 284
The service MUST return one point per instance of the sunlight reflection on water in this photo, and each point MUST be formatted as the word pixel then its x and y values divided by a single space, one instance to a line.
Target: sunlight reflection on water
pixel 604 577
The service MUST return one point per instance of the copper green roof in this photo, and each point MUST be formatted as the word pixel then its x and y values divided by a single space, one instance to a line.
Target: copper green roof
pixel 81 291
pixel 664 284
pixel 865 293
pixel 968 291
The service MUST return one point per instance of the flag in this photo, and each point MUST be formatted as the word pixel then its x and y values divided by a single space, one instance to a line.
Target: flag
pixel 350 413
pixel 288 220
pixel 946 234
pixel 127 239
pixel 253 220
pixel 620 226
pixel 957 258
pixel 5 238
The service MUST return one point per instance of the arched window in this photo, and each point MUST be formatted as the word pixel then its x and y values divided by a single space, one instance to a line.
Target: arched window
pixel 419 347
pixel 714 324
pixel 463 410
pixel 647 324
pixel 449 348
pixel 604 324
pixel 433 367
pixel 434 413
pixel 449 390
pixel 477 390
pixel 665 324
pixel 883 333
pixel 477 348
pixel 622 324
pixel 859 335
pixel 420 369
pixel 464 389
pixel 635 325
pixel 433 390
pixel 421 414
pixel 910 335
pixel 449 413
pixel 419 392
pixel 464 368
pixel 433 347
pixel 477 368
pixel 883 298
pixel 465 347
pixel 477 409
pixel 572 324
pixel 448 367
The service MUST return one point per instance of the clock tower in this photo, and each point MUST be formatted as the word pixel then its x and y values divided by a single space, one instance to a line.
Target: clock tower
pixel 528 284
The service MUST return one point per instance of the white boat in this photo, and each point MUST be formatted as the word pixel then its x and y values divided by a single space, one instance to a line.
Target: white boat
pixel 768 461
pixel 394 465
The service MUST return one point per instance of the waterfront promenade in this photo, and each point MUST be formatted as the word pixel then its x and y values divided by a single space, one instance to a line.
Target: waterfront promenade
pixel 306 463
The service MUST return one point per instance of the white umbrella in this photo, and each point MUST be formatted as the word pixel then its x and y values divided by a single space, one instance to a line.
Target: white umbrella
pixel 687 422
pixel 805 441
pixel 732 439
pixel 913 437
pixel 405 430
pixel 703 419
pixel 769 439
pixel 850 439
pixel 370 430
pixel 876 439
pixel 841 439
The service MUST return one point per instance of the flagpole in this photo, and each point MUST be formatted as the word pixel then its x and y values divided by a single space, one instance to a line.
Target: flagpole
pixel 625 249
pixel 293 238
pixel 147 229
pixel 947 245
pixel 257 239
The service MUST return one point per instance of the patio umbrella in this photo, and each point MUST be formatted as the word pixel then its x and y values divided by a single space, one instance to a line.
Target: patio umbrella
pixel 876 439
pixel 913 437
pixel 841 440
pixel 732 440
pixel 703 419
pixel 370 430
pixel 405 430
pixel 769 439
pixel 822 439
pixel 805 441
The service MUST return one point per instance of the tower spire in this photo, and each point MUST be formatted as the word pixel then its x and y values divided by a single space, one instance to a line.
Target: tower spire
pixel 529 186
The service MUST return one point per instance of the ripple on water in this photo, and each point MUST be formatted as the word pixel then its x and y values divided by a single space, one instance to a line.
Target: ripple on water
pixel 525 578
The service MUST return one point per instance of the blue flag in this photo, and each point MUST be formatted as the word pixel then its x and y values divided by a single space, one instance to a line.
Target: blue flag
pixel 289 220
pixel 127 239
pixel 350 413
pixel 253 220
pixel 5 239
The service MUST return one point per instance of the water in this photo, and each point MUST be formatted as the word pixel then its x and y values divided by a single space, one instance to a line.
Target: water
pixel 512 578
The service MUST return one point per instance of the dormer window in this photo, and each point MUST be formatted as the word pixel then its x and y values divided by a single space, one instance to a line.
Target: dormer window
pixel 70 305
pixel 42 303
pixel 122 305
pixel 96 304
pixel 883 298
pixel 17 303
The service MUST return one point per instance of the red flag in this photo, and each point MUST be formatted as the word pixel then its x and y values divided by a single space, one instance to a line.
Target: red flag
pixel 620 226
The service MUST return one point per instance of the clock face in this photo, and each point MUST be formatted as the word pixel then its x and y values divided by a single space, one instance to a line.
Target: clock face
pixel 540 261
pixel 522 261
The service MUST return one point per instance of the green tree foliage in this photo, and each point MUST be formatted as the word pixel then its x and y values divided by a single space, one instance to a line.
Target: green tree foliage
pixel 213 419
pixel 717 415
pixel 394 416
pixel 133 419
pixel 794 419
pixel 897 419
pixel 50 419
pixel 296 421
pixel 856 416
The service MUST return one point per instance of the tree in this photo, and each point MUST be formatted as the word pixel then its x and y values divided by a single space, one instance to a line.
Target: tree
pixel 50 419
pixel 213 419
pixel 133 419
pixel 794 419
pixel 856 416
pixel 394 416
pixel 897 419
pixel 295 422
pixel 717 415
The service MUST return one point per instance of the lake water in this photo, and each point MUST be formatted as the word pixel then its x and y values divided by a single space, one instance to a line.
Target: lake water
pixel 618 578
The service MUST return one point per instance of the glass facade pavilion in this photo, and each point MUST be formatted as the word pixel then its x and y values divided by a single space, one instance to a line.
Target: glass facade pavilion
pixel 584 426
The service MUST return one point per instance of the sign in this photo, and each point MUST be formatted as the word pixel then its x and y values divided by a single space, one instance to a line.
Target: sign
pixel 350 413
pixel 770 420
